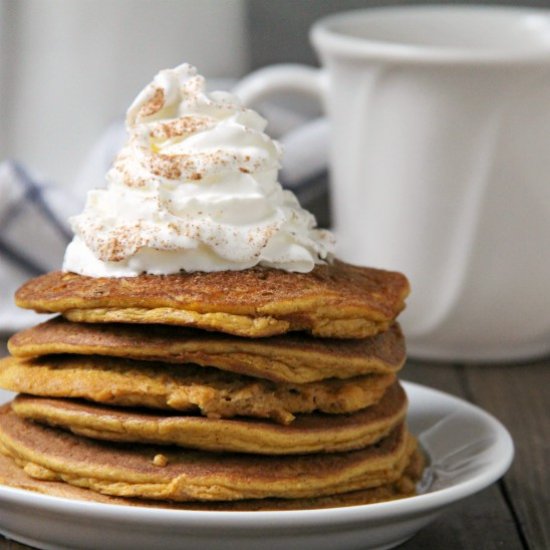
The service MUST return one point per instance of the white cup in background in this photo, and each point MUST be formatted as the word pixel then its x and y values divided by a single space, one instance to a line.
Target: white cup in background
pixel 440 165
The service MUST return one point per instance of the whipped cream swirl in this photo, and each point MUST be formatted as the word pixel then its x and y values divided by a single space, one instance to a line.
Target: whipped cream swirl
pixel 194 189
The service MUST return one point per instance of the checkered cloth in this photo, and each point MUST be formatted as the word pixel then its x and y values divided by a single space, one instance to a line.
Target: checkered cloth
pixel 33 235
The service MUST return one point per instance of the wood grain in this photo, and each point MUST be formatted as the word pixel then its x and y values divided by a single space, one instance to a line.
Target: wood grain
pixel 519 395
pixel 6 544
pixel 481 521
pixel 3 347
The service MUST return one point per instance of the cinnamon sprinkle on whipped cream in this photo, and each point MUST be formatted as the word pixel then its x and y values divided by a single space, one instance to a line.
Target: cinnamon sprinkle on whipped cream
pixel 194 189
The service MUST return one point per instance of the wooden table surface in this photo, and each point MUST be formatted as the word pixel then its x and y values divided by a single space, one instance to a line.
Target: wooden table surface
pixel 514 512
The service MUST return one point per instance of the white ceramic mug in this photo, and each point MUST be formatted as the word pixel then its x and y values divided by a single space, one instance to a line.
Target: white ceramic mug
pixel 440 165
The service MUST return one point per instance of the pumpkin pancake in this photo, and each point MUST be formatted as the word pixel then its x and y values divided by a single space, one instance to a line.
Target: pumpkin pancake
pixel 12 475
pixel 307 434
pixel 215 393
pixel 168 473
pixel 334 300
pixel 294 357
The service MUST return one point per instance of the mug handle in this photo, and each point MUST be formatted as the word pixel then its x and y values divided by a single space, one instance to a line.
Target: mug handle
pixel 286 77
pixel 306 146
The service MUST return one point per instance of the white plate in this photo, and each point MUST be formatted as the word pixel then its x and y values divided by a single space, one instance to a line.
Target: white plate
pixel 468 450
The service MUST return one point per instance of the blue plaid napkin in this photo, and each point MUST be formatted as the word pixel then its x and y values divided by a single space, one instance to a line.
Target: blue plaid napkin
pixel 33 236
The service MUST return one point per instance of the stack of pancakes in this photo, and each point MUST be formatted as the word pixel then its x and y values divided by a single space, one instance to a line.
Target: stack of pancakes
pixel 236 390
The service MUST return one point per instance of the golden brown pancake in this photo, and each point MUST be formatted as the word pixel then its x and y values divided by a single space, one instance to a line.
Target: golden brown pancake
pixel 307 434
pixel 294 357
pixel 164 473
pixel 334 300
pixel 12 475
pixel 215 393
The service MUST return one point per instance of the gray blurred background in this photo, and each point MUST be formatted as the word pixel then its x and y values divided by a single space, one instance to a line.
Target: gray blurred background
pixel 278 29
pixel 69 69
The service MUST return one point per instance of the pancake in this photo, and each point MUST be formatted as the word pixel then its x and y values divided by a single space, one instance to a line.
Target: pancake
pixel 294 357
pixel 307 434
pixel 12 475
pixel 334 300
pixel 215 393
pixel 182 475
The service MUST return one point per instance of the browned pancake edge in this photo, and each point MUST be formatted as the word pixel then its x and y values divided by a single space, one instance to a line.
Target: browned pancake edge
pixel 334 300
pixel 293 357
pixel 133 471
pixel 313 433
